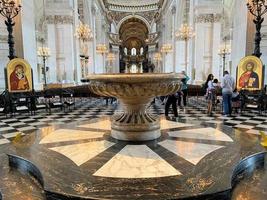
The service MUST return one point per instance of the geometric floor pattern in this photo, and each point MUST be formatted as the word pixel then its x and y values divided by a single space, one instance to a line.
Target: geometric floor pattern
pixel 135 161
pixel 250 121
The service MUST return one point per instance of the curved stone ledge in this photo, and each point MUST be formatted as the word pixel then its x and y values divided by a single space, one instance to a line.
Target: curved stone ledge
pixel 25 166
pixel 247 166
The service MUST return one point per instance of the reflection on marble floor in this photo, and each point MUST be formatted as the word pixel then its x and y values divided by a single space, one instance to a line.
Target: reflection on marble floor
pixel 64 135
pixel 192 152
pixel 81 153
pixel 202 133
pixel 165 124
pixel 136 161
pixel 102 125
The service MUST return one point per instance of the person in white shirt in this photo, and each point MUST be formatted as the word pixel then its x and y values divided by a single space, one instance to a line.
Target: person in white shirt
pixel 209 88
pixel 228 86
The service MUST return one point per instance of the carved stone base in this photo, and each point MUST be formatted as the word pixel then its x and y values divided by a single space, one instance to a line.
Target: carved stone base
pixel 135 124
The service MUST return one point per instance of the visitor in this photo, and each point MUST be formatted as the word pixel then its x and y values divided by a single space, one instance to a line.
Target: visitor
pixel 228 86
pixel 184 90
pixel 210 93
pixel 236 103
pixel 171 100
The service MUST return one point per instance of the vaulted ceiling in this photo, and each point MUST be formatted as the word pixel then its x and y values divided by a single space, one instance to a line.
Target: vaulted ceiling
pixel 118 9
pixel 133 33
pixel 132 5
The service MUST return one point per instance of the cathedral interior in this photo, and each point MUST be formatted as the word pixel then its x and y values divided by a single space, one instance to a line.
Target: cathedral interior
pixel 133 99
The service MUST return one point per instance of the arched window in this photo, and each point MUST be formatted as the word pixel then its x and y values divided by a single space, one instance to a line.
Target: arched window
pixel 133 52
pixel 141 51
pixel 133 68
pixel 125 51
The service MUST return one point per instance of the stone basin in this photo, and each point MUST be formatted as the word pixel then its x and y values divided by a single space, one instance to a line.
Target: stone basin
pixel 135 92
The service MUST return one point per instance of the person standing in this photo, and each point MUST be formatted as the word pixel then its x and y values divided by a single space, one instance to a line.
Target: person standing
pixel 209 92
pixel 171 100
pixel 228 86
pixel 184 90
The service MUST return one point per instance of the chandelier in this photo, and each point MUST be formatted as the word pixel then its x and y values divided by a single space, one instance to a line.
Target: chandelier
pixel 185 32
pixel 157 57
pixel 111 57
pixel 101 48
pixel 83 32
pixel 166 48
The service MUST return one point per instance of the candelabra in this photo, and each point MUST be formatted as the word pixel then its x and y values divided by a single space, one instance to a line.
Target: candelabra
pixel 44 53
pixel 10 10
pixel 84 34
pixel 185 33
pixel 223 52
pixel 84 61
pixel 257 8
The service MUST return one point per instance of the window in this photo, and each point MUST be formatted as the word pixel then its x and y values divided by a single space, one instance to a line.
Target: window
pixel 133 52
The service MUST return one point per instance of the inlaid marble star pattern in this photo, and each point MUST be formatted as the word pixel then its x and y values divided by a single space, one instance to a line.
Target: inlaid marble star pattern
pixel 135 161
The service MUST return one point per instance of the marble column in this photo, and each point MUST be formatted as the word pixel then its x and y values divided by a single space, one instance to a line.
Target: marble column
pixel 3 52
pixel 207 43
pixel 239 44
pixel 25 38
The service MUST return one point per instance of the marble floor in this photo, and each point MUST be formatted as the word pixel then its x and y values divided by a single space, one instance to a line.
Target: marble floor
pixel 77 159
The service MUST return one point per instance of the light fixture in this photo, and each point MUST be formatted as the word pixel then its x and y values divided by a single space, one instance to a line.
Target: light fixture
pixel 185 33
pixel 44 53
pixel 84 33
pixel 157 57
pixel 10 10
pixel 101 48
pixel 111 57
pixel 223 52
pixel 166 48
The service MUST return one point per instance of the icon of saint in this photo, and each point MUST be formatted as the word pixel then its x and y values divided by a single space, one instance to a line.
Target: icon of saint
pixel 249 79
pixel 18 79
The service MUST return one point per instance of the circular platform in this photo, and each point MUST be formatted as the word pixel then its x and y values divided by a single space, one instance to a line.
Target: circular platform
pixel 190 160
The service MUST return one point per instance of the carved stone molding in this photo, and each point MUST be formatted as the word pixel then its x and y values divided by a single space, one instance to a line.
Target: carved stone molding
pixel 59 19
pixel 208 18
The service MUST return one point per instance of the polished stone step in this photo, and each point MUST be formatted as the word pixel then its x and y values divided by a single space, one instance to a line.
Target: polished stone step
pixel 15 184
pixel 253 182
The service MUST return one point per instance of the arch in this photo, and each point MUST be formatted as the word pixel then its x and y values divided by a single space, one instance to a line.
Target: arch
pixel 134 16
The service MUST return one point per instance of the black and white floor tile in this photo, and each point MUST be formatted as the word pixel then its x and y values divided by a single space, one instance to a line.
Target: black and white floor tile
pixel 250 121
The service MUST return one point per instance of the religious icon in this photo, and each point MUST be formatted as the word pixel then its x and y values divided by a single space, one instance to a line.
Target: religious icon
pixel 19 76
pixel 250 74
